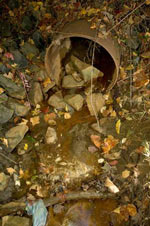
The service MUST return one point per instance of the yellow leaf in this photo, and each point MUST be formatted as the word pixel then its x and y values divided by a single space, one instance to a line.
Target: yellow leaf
pixel 147 2
pixel 1 90
pixel 11 13
pixel 132 210
pixel 26 147
pixel 146 55
pixel 46 82
pixel 125 174
pixel 130 67
pixel 35 120
pixel 30 56
pixel 131 21
pixel 118 125
pixel 40 4
pixel 122 73
pixel 36 8
pixel 117 210
pixel 96 140
pixel 31 41
pixel 11 170
pixel 83 12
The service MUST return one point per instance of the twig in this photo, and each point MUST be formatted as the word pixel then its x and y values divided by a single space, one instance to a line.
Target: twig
pixel 125 17
pixel 8 158
pixel 13 207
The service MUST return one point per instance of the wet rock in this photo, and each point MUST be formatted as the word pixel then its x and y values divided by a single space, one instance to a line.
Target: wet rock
pixel 3 98
pixel 3 68
pixel 38 40
pixel 86 70
pixel 76 101
pixel 19 59
pixel 19 109
pixel 5 114
pixel 98 102
pixel 35 94
pixel 15 135
pixel 57 101
pixel 7 194
pixel 25 146
pixel 99 129
pixel 4 180
pixel 11 88
pixel 69 82
pixel 28 49
pixel 15 221
pixel 51 136
pixel 40 76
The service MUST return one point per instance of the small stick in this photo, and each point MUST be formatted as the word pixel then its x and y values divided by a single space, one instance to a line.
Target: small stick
pixel 8 158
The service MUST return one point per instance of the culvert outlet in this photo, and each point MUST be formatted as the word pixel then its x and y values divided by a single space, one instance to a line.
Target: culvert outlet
pixel 106 56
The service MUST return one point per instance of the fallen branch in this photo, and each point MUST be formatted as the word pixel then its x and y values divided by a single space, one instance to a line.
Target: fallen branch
pixel 13 207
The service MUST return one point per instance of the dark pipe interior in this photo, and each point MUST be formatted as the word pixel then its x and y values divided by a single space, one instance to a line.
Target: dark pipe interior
pixel 83 49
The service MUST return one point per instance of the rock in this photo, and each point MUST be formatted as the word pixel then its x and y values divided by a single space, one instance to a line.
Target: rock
pixel 59 50
pixel 57 101
pixel 51 136
pixel 19 59
pixel 99 129
pixel 19 109
pixel 11 88
pixel 69 68
pixel 40 76
pixel 4 69
pixel 3 98
pixel 38 40
pixel 4 180
pixel 48 87
pixel 98 102
pixel 5 114
pixel 15 135
pixel 25 146
pixel 76 101
pixel 28 49
pixel 86 70
pixel 35 94
pixel 69 82
pixel 15 221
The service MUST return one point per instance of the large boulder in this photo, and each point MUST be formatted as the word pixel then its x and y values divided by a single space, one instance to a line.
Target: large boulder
pixel 15 135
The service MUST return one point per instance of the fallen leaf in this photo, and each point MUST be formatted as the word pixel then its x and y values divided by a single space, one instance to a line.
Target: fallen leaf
pixel 113 163
pixel 1 90
pixel 131 21
pixel 109 143
pixel 125 174
pixel 11 170
pixel 132 210
pixel 26 147
pixel 67 115
pixel 118 125
pixel 112 187
pixel 9 56
pixel 46 82
pixel 50 116
pixel 35 120
pixel 147 2
pixel 96 140
pixel 123 74
pixel 146 54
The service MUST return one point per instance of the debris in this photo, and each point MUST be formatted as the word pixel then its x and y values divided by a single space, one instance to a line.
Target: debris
pixel 109 184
